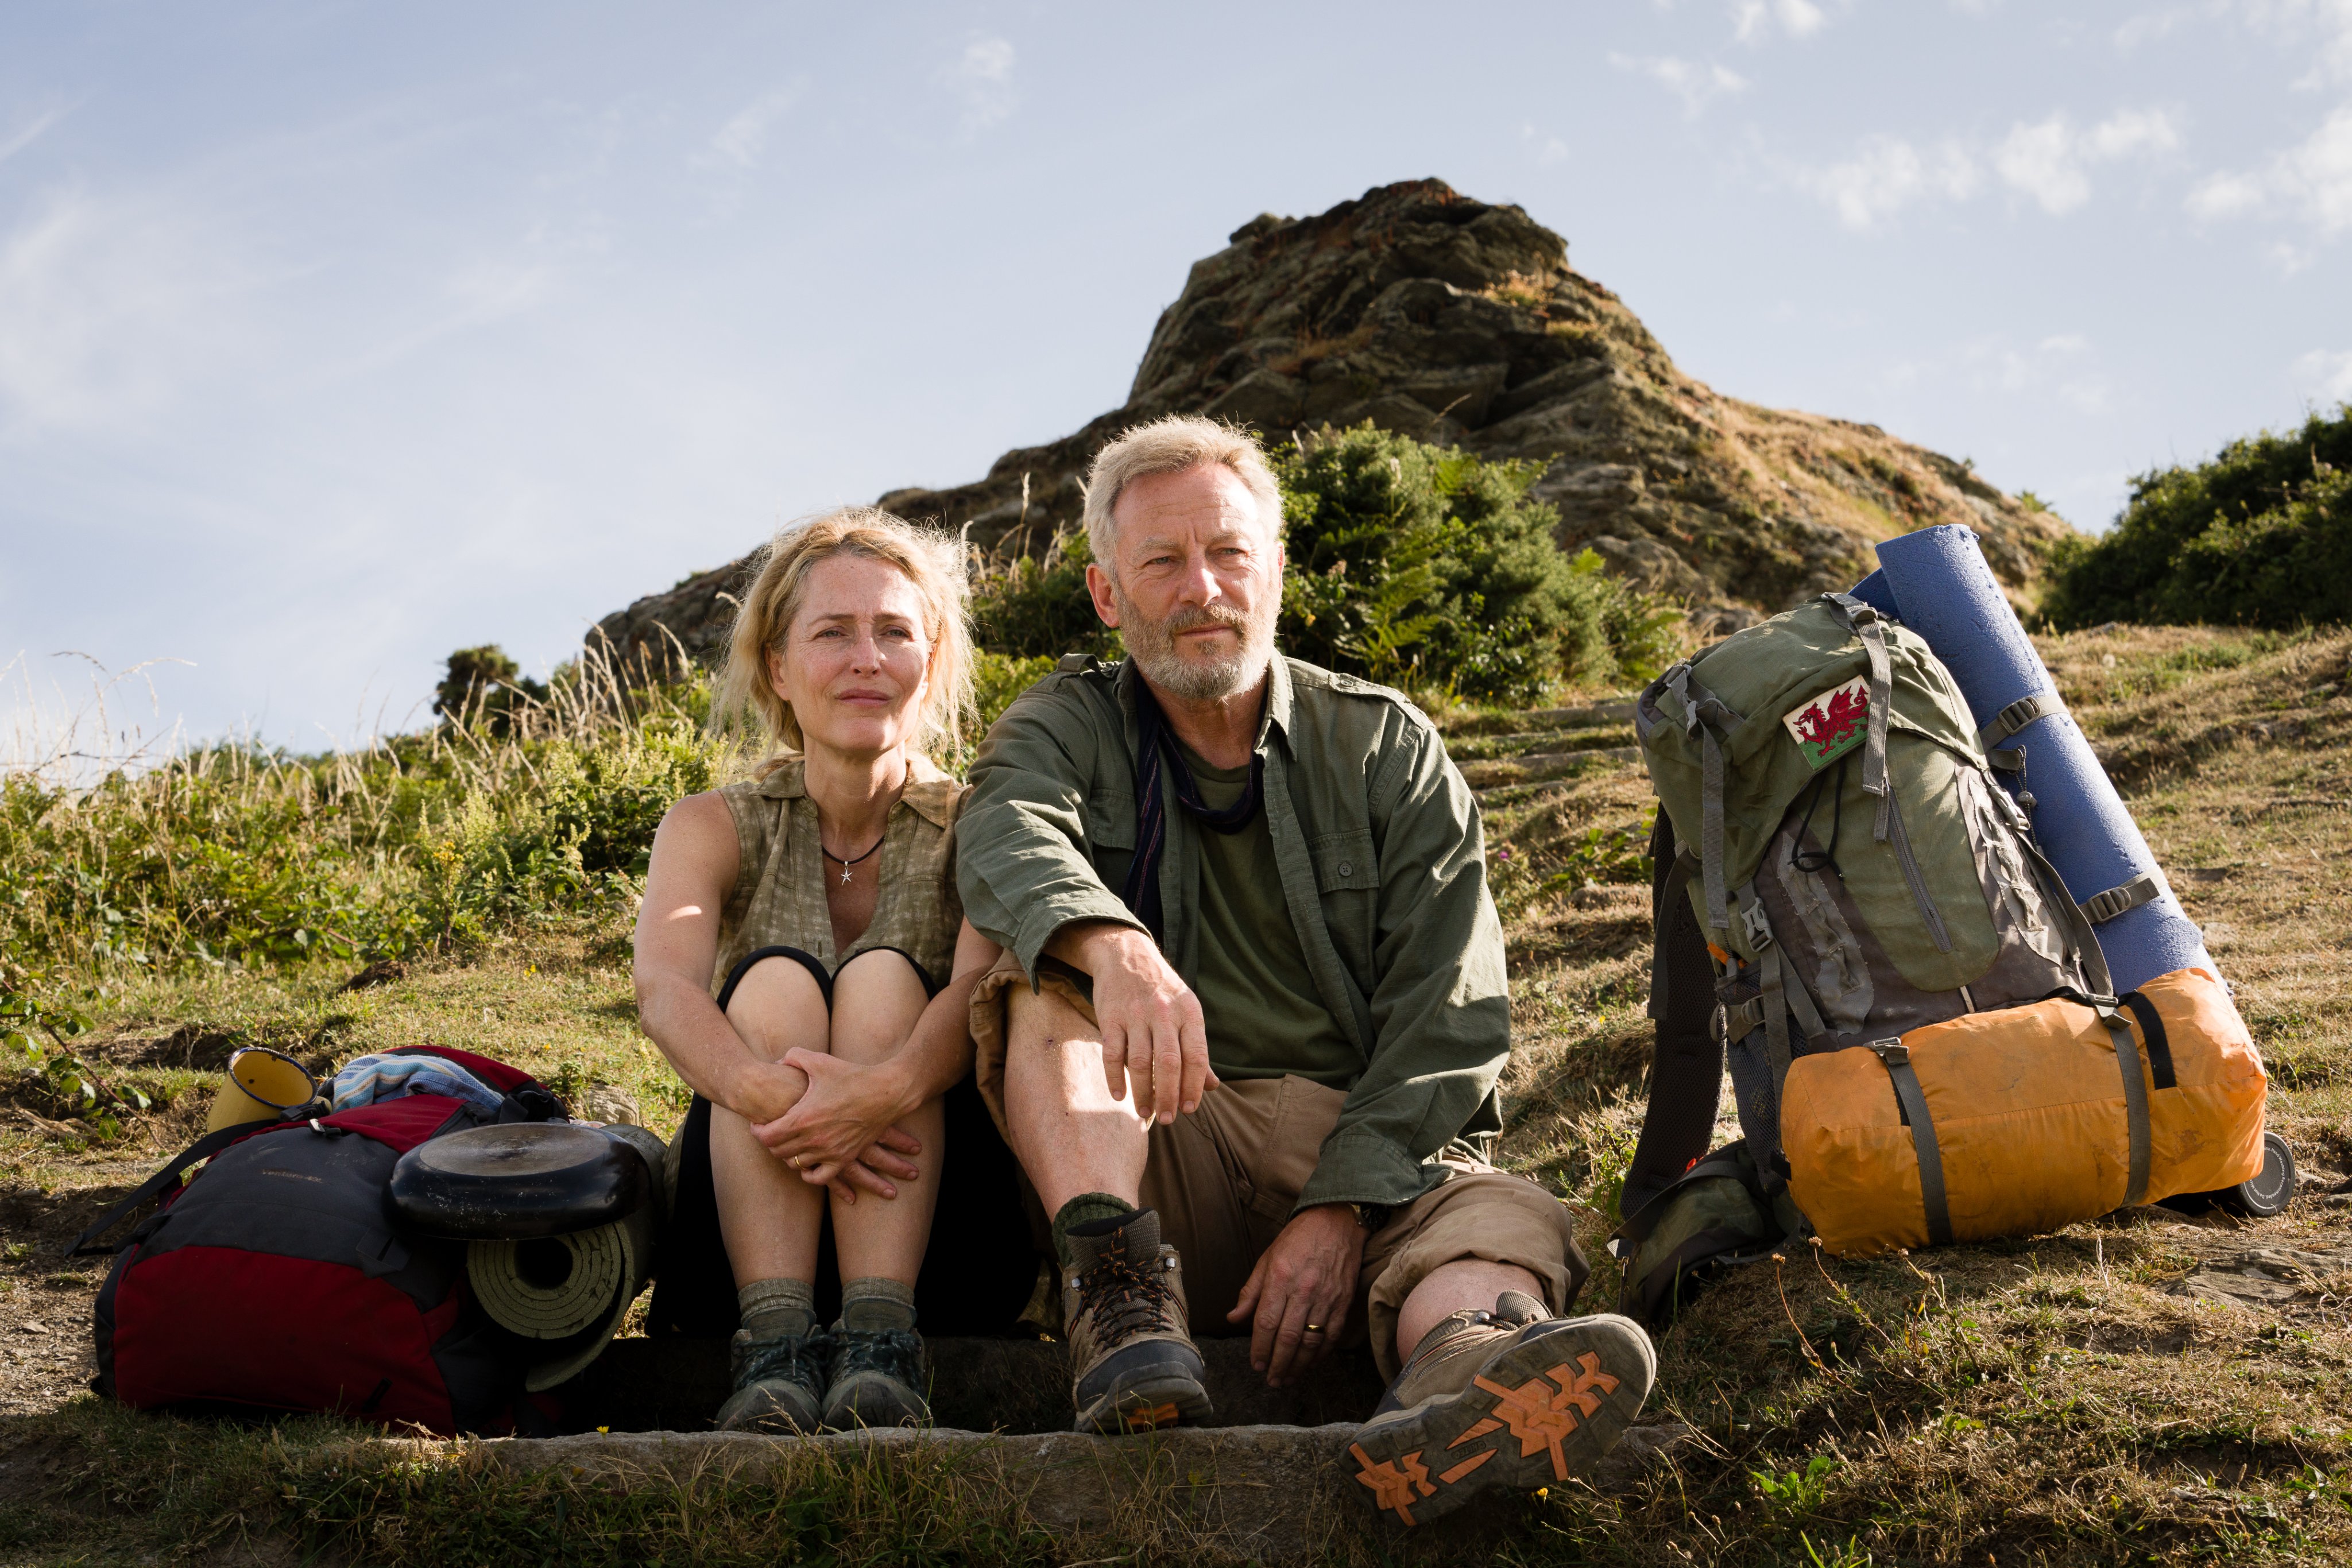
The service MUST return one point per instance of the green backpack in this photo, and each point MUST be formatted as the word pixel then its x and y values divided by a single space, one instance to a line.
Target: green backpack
pixel 1855 870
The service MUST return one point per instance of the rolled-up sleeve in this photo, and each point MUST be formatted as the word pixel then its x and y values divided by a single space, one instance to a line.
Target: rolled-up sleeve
pixel 1023 860
pixel 1440 1006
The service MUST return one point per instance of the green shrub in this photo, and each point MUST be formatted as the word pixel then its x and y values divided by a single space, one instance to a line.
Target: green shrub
pixel 2261 535
pixel 483 685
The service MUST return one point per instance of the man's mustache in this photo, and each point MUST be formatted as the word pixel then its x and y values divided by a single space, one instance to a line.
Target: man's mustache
pixel 1188 618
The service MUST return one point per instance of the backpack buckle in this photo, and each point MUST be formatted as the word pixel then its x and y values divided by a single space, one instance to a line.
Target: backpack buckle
pixel 1892 1053
pixel 1757 925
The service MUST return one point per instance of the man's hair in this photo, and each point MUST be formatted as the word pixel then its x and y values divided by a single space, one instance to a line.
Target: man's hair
pixel 1169 446
pixel 932 562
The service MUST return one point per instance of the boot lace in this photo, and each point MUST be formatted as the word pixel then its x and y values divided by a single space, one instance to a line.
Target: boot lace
pixel 1122 1297
pixel 795 1358
pixel 894 1352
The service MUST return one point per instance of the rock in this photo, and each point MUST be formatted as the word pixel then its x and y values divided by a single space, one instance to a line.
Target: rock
pixel 1452 321
pixel 607 1103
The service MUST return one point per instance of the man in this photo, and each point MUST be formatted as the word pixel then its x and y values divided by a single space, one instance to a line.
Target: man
pixel 1246 1031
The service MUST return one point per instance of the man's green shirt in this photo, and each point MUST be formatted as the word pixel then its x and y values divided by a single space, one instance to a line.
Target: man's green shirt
pixel 1378 858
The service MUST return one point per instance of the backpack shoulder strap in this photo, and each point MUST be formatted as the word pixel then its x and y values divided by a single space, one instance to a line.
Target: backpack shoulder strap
pixel 155 1186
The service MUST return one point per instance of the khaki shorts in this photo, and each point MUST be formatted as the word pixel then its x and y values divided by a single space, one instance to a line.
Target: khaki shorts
pixel 1225 1178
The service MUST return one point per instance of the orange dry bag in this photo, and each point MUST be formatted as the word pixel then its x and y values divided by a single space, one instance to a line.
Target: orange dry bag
pixel 2025 1119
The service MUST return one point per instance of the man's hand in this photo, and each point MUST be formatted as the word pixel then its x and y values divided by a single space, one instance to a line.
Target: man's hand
pixel 763 1090
pixel 839 1135
pixel 1153 1041
pixel 1305 1281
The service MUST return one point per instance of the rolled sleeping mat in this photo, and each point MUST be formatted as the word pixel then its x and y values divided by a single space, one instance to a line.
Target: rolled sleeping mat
pixel 561 1220
pixel 1943 590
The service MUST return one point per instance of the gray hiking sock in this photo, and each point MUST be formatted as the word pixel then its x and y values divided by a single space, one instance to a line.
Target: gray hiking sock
pixel 777 1308
pixel 1086 1208
pixel 872 1302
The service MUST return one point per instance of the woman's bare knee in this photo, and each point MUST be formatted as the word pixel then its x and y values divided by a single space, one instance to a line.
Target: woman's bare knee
pixel 777 1007
pixel 876 998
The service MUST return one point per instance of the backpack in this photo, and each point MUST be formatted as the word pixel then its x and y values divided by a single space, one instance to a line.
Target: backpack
pixel 1856 871
pixel 1916 1016
pixel 277 1279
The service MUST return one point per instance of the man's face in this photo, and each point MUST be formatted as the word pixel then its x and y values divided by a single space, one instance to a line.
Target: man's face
pixel 1196 584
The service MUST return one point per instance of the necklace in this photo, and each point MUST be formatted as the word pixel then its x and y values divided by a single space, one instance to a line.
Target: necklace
pixel 853 860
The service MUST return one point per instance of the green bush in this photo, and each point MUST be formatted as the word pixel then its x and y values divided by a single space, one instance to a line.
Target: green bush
pixel 2261 535
pixel 1410 564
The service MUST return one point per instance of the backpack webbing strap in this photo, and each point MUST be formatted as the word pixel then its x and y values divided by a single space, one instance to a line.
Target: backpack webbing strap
pixel 2160 1045
pixel 2135 1104
pixel 2102 907
pixel 1867 625
pixel 1704 716
pixel 1677 883
pixel 154 1186
pixel 1913 1100
pixel 2017 715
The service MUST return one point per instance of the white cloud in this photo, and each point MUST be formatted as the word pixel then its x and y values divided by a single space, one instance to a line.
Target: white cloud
pixel 2150 26
pixel 1751 20
pixel 2312 182
pixel 2325 374
pixel 108 304
pixel 1548 150
pixel 1887 174
pixel 16 141
pixel 2058 365
pixel 1694 83
pixel 983 76
pixel 2041 160
pixel 2322 25
pixel 744 138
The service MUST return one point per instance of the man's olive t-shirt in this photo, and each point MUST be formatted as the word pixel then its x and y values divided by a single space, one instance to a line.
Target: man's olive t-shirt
pixel 1258 999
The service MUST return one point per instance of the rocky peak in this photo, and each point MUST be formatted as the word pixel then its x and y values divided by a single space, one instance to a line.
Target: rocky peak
pixel 1456 321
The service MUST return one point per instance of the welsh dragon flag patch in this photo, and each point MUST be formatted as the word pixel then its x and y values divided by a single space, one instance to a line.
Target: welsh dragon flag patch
pixel 1829 725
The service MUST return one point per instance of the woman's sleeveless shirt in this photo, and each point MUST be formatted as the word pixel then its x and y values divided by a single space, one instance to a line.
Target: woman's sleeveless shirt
pixel 779 899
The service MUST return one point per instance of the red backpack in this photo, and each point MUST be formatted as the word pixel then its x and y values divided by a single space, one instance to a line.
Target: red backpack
pixel 279 1278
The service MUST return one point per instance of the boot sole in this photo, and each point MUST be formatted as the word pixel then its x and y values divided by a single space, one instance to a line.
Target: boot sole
pixel 1540 1410
pixel 1148 1404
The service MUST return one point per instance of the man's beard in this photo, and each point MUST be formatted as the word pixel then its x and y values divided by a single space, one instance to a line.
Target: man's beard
pixel 1152 646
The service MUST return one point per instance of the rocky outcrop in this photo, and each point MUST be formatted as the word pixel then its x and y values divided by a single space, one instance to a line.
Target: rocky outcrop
pixel 1443 317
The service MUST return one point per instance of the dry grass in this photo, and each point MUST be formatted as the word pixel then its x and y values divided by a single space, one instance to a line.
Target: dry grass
pixel 2146 1387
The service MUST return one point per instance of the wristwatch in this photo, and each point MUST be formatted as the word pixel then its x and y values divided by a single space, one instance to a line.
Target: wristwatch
pixel 1371 1216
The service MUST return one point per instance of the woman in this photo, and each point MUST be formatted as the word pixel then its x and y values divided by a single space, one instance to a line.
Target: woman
pixel 832 1070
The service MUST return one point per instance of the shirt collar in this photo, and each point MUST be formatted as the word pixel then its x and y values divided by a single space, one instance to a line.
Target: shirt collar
pixel 929 792
pixel 1274 718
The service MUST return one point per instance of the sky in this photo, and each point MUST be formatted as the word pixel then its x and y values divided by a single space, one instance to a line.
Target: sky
pixel 334 336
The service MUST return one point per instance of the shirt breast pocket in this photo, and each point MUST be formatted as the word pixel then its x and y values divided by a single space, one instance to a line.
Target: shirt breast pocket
pixel 1348 877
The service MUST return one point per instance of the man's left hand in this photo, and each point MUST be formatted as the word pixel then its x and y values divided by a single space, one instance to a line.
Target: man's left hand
pixel 1298 1297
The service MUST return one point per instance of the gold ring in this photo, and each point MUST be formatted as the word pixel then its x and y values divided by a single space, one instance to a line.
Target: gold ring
pixel 1314 1328
pixel 796 1162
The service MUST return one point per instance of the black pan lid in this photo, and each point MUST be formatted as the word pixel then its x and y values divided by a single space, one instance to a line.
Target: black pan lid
pixel 518 1181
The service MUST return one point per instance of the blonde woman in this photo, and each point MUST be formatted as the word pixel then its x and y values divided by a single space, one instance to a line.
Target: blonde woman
pixel 802 960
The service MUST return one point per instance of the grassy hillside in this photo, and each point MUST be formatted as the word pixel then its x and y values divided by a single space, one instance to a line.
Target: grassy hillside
pixel 2146 1387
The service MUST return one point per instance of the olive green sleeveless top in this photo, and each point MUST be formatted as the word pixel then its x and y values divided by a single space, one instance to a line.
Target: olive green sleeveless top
pixel 779 897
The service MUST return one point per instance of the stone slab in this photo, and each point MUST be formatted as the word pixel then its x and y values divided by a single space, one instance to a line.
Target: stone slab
pixel 979 1385
pixel 1263 1493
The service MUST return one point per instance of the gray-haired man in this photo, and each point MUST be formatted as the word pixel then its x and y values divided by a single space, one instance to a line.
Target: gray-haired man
pixel 1246 1033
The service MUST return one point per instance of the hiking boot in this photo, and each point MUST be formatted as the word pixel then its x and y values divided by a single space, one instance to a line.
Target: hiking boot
pixel 877 1379
pixel 778 1382
pixel 1132 1362
pixel 1503 1401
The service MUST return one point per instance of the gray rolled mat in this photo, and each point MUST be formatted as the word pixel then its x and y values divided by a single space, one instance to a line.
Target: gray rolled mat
pixel 572 1292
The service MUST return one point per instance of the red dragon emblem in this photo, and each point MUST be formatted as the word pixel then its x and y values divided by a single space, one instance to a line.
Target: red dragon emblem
pixel 1846 711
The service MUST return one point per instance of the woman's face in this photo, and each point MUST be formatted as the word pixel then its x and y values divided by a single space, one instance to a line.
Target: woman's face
pixel 855 660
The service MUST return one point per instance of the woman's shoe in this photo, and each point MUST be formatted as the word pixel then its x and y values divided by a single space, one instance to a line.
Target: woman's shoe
pixel 877 1379
pixel 779 1383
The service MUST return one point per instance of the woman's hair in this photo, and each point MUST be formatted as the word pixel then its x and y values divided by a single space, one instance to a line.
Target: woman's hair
pixel 933 562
